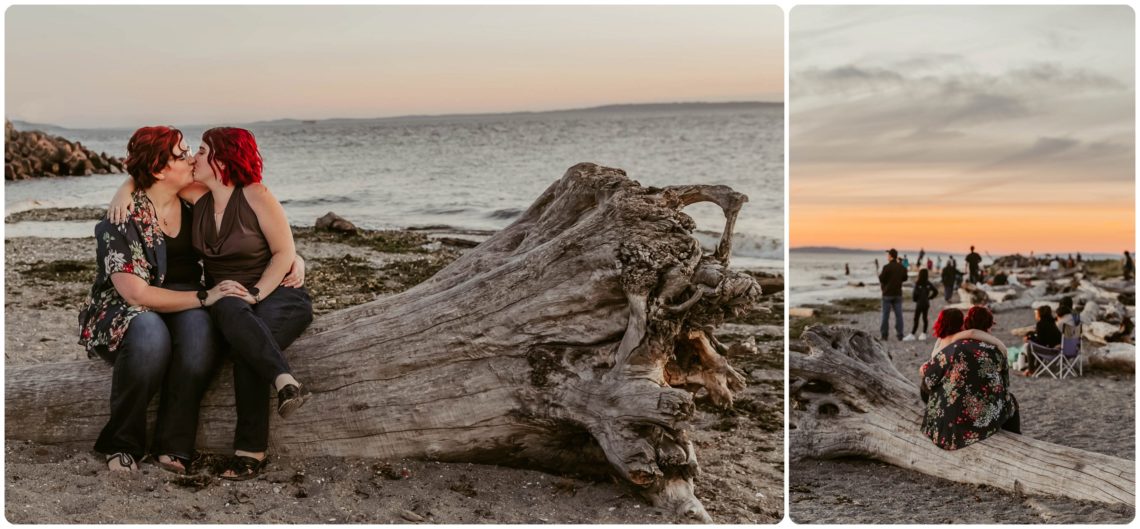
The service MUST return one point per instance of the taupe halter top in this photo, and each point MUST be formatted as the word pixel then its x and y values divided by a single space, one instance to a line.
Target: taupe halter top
pixel 237 251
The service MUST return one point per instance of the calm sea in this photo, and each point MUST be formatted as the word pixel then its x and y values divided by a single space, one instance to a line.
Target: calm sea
pixel 821 276
pixel 479 172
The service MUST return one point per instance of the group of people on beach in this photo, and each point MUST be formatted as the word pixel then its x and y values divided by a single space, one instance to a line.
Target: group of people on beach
pixel 195 261
pixel 894 274
pixel 965 383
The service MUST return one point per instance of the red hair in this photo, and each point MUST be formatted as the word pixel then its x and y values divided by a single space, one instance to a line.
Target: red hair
pixel 237 150
pixel 148 152
pixel 948 323
pixel 979 318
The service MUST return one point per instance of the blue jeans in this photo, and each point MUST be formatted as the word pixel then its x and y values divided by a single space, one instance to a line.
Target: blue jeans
pixel 258 335
pixel 175 352
pixel 891 303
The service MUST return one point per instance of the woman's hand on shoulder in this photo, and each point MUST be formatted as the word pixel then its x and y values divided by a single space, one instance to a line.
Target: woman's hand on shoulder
pixel 119 210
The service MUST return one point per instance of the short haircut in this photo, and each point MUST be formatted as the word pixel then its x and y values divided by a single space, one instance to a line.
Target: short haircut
pixel 148 152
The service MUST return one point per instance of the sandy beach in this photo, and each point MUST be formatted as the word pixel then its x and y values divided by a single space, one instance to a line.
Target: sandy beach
pixel 740 450
pixel 1094 412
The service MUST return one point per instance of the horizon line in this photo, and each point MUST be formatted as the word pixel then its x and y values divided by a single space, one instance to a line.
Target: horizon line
pixel 430 116
pixel 941 252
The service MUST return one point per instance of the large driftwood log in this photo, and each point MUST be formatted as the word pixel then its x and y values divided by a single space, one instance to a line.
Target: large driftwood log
pixel 570 341
pixel 849 400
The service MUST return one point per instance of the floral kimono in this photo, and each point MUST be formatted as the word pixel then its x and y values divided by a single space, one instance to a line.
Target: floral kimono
pixel 135 247
pixel 966 389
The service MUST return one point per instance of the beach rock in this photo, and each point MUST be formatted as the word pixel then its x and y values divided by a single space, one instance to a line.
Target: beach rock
pixel 333 222
pixel 33 154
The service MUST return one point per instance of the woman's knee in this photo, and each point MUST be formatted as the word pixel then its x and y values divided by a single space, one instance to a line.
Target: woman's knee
pixel 228 307
pixel 147 344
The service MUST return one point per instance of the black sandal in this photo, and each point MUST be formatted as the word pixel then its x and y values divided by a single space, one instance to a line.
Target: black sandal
pixel 243 468
pixel 126 462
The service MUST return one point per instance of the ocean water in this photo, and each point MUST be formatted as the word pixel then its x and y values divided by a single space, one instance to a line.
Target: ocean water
pixel 480 172
pixel 819 276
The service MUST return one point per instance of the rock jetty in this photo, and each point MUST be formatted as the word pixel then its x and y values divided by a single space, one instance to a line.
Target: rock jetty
pixel 33 154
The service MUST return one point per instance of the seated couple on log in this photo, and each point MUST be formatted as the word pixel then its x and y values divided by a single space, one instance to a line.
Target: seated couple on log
pixel 965 384
pixel 164 324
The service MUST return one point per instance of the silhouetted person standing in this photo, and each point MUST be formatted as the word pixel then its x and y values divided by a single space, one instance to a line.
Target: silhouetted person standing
pixel 1129 266
pixel 949 278
pixel 974 261
pixel 891 280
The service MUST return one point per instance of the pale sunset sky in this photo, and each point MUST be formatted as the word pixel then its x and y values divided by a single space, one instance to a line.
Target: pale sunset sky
pixel 1010 128
pixel 111 66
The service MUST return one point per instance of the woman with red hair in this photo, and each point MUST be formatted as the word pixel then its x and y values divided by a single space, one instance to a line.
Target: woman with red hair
pixel 143 315
pixel 241 232
pixel 948 328
pixel 966 389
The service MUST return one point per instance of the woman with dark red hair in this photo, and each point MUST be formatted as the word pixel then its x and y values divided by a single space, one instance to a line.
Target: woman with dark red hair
pixel 241 231
pixel 948 328
pixel 143 315
pixel 966 390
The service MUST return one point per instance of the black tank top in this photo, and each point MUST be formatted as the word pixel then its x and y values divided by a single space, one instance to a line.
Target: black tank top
pixel 182 262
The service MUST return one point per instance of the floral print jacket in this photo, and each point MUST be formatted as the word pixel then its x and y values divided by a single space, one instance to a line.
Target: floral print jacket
pixel 966 389
pixel 134 247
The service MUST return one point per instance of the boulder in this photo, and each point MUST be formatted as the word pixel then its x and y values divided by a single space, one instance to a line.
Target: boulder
pixel 33 154
pixel 333 222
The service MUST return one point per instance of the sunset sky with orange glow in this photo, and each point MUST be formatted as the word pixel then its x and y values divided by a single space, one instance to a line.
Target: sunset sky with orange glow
pixel 108 66
pixel 1010 128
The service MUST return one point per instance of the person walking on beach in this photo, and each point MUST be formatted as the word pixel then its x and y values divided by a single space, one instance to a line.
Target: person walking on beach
pixel 929 264
pixel 924 291
pixel 1129 266
pixel 973 260
pixel 876 264
pixel 846 269
pixel 906 262
pixel 891 280
pixel 949 275
pixel 921 254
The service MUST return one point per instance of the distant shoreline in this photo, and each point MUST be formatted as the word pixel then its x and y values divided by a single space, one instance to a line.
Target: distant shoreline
pixel 22 125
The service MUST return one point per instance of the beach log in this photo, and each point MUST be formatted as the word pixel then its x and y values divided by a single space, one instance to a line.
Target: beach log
pixel 849 400
pixel 572 341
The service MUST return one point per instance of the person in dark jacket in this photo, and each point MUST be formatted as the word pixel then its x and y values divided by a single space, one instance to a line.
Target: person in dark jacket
pixel 974 261
pixel 949 277
pixel 924 291
pixel 1046 332
pixel 891 280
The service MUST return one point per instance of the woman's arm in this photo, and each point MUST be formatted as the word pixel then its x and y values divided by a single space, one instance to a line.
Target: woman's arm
pixel 122 203
pixel 136 291
pixel 981 336
pixel 296 276
pixel 275 227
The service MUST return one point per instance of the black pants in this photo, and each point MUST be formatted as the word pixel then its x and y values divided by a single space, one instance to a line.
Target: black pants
pixel 920 311
pixel 175 352
pixel 1013 424
pixel 257 336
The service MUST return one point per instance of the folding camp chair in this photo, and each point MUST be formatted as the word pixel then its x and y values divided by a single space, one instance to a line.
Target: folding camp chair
pixel 1071 362
pixel 1047 360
